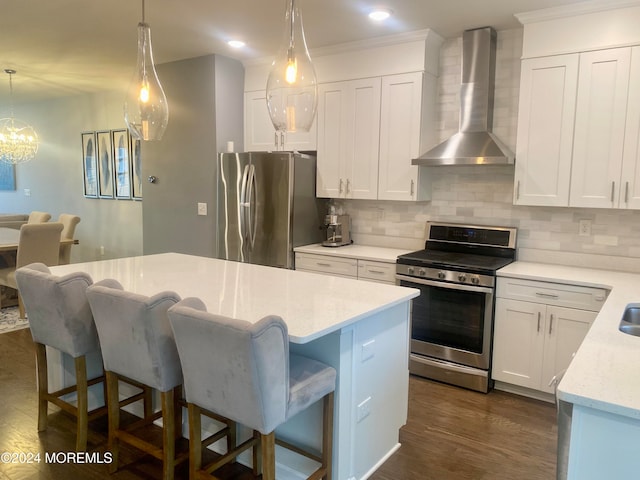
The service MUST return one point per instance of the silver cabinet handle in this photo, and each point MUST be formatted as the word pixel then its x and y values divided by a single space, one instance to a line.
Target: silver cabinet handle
pixel 282 134
pixel 626 192
pixel 538 322
pixel 275 139
pixel 348 190
pixel 613 187
pixel 518 190
pixel 379 272
pixel 340 187
pixel 550 323
pixel 412 187
pixel 320 264
pixel 546 295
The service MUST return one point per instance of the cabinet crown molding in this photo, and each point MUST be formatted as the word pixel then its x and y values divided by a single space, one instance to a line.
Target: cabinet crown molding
pixel 591 6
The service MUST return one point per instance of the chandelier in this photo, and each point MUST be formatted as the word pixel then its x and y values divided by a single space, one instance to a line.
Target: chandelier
pixel 18 141
pixel 292 87
pixel 146 111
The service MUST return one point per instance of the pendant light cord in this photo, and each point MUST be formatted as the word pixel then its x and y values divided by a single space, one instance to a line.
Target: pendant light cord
pixel 10 72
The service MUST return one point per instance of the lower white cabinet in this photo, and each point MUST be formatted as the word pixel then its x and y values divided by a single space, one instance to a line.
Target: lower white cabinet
pixel 369 270
pixel 538 328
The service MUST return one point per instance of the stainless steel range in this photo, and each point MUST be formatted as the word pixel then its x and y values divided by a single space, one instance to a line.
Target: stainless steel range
pixel 452 319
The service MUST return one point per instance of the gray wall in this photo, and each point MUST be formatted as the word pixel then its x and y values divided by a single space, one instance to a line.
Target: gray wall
pixel 205 96
pixel 54 177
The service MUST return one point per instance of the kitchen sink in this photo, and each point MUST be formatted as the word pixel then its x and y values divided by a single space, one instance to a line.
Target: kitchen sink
pixel 630 322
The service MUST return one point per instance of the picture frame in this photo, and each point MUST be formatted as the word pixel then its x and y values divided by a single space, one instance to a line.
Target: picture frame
pixel 89 164
pixel 7 176
pixel 136 169
pixel 104 154
pixel 121 163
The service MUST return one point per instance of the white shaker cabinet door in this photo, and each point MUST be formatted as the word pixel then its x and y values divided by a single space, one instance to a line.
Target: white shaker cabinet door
pixel 518 342
pixel 600 128
pixel 400 136
pixel 332 139
pixel 259 134
pixel 630 180
pixel 548 88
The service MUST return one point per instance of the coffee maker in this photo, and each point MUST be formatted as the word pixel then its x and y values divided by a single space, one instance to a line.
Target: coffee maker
pixel 338 228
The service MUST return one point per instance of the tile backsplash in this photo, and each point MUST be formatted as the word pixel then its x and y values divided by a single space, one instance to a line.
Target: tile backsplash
pixel 483 194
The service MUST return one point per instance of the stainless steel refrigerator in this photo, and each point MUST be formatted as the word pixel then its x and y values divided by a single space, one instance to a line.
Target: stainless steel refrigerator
pixel 267 206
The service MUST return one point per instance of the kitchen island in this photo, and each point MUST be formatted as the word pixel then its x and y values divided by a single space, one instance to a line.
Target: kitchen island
pixel 602 382
pixel 360 328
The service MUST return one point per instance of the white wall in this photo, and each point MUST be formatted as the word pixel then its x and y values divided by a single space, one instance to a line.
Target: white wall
pixel 55 176
pixel 483 194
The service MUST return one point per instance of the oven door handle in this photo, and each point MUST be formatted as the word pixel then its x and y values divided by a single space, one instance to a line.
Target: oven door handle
pixel 451 286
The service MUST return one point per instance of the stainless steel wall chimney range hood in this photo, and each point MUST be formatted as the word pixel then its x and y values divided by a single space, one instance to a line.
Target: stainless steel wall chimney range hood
pixel 474 144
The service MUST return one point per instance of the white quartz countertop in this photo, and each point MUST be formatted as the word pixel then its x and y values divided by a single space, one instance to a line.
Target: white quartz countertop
pixel 359 252
pixel 605 373
pixel 311 305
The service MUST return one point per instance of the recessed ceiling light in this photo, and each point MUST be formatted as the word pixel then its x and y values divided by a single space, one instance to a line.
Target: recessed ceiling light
pixel 380 14
pixel 236 43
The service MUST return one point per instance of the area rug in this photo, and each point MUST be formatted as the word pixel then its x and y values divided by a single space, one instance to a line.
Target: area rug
pixel 10 320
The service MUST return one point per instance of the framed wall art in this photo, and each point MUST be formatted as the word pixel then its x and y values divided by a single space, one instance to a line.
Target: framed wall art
pixel 104 155
pixel 7 176
pixel 136 170
pixel 121 163
pixel 89 164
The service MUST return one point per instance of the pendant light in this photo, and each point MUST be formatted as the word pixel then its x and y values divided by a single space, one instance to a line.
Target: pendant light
pixel 292 89
pixel 18 141
pixel 146 111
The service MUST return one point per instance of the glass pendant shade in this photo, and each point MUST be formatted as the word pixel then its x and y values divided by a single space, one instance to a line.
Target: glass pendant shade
pixel 292 88
pixel 18 141
pixel 146 111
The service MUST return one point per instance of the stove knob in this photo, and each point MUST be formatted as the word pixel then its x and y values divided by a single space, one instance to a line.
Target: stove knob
pixel 462 278
pixel 475 280
pixel 422 272
pixel 411 270
pixel 441 275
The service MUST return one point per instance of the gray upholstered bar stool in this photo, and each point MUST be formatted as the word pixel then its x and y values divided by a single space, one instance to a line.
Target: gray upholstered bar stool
pixel 245 373
pixel 137 343
pixel 60 317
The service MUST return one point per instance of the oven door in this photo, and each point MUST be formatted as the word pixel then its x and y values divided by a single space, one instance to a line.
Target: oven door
pixel 452 322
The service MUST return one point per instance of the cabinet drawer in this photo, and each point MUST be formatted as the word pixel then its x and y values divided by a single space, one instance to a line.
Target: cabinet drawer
pixel 327 264
pixel 549 293
pixel 377 271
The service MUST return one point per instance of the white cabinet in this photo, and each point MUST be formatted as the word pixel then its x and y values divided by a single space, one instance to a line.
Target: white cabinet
pixel 400 130
pixel 348 137
pixel 259 134
pixel 545 130
pixel 370 270
pixel 603 85
pixel 538 328
pixel 579 130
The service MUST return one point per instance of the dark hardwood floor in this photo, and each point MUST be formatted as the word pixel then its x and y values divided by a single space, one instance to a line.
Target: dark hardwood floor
pixel 451 433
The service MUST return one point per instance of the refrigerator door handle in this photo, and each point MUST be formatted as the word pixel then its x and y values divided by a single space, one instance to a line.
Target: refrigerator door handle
pixel 251 210
pixel 243 207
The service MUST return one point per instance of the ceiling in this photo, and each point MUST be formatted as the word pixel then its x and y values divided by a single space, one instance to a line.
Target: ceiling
pixel 67 47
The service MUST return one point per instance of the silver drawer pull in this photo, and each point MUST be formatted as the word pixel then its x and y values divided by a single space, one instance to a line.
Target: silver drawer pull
pixel 547 295
pixel 376 271
pixel 320 264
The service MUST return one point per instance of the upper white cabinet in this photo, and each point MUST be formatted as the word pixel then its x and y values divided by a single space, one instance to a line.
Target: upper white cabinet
pixel 545 130
pixel 603 87
pixel 259 134
pixel 579 113
pixel 400 130
pixel 348 137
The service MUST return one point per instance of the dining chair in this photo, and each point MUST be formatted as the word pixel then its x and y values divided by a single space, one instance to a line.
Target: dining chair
pixel 38 243
pixel 60 318
pixel 244 372
pixel 137 343
pixel 38 217
pixel 69 223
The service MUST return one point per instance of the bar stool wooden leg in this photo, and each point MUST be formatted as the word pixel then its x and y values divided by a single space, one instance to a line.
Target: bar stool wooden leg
pixel 177 408
pixel 168 434
pixel 268 445
pixel 195 444
pixel 83 403
pixel 327 434
pixel 113 406
pixel 43 385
